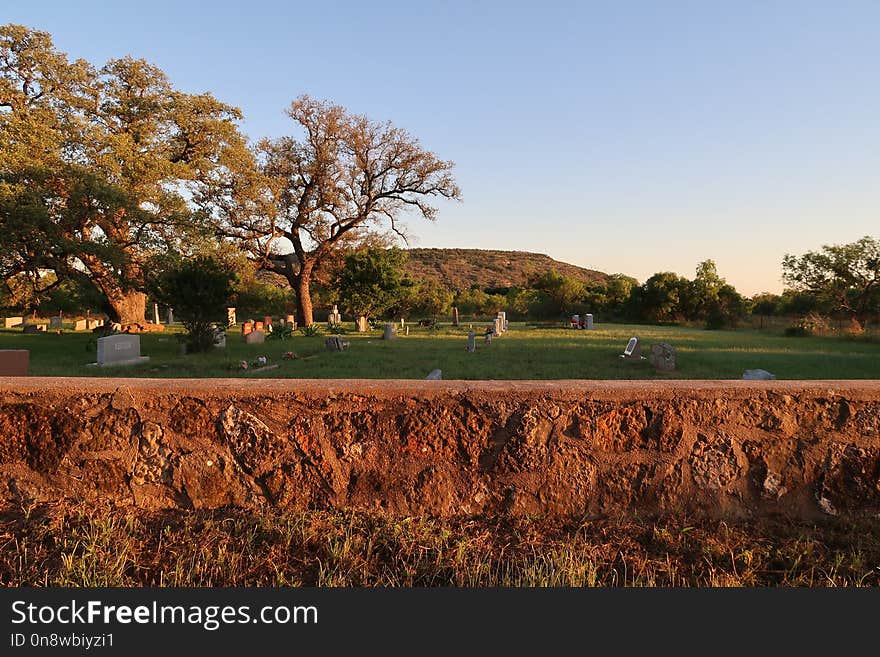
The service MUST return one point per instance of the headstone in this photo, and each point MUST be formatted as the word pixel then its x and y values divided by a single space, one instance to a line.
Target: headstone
pixel 247 327
pixel 156 314
pixel 219 338
pixel 120 349
pixel 290 322
pixel 81 325
pixel 170 317
pixel 362 325
pixel 575 321
pixel 499 326
pixel 633 350
pixel 12 322
pixel 93 323
pixel 334 317
pixel 14 362
pixel 56 322
pixel 662 356
pixel 503 316
pixel 472 342
pixel 758 375
pixel 230 317
pixel 455 316
pixel 489 333
pixel 336 343
pixel 33 328
pixel 434 375
pixel 390 332
pixel 402 323
pixel 267 324
pixel 257 336
pixel 406 330
pixel 259 326
pixel 589 322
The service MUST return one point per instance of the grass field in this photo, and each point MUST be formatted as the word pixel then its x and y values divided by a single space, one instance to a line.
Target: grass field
pixel 524 352
pixel 98 545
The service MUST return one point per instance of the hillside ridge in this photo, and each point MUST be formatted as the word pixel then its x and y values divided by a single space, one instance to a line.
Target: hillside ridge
pixel 460 269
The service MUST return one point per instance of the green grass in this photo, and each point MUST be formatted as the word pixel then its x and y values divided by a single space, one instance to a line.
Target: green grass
pixel 99 545
pixel 525 352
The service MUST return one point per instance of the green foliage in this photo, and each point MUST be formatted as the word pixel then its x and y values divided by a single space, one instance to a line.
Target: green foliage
pixel 334 328
pixel 559 294
pixel 280 333
pixel 310 331
pixel 198 289
pixel 371 281
pixel 846 276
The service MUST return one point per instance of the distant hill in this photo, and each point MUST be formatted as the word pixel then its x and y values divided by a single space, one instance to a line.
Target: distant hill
pixel 460 269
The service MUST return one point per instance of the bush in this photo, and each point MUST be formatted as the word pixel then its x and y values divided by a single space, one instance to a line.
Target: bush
pixel 198 289
pixel 310 331
pixel 811 324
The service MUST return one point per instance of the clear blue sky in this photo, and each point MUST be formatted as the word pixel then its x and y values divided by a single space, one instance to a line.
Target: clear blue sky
pixel 628 137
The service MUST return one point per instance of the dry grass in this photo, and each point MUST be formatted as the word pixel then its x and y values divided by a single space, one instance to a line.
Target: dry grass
pixel 105 546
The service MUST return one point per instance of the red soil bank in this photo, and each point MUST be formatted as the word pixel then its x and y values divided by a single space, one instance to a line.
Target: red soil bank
pixel 715 448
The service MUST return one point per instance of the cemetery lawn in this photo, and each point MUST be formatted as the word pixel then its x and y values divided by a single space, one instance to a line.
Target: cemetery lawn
pixel 527 351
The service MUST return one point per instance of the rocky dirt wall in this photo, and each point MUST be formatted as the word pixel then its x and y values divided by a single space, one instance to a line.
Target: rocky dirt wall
pixel 713 448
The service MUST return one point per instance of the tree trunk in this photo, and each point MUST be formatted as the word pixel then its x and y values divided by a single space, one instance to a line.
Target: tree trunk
pixel 129 306
pixel 300 284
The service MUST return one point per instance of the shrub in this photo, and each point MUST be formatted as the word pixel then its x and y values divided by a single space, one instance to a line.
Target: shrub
pixel 198 289
pixel 310 331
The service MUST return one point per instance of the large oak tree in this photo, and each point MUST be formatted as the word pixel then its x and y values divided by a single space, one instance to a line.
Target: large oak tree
pixel 845 275
pixel 102 168
pixel 345 177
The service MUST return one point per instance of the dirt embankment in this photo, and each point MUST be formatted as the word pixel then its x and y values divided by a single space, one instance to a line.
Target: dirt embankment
pixel 720 449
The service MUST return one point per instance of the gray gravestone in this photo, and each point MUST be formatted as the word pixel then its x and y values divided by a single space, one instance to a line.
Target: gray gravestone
pixel 434 375
pixel 472 342
pixel 662 357
pixel 255 337
pixel 336 343
pixel 14 362
pixel 170 318
pixel 121 349
pixel 758 375
pixel 390 332
pixel 589 322
pixel 56 322
pixel 219 338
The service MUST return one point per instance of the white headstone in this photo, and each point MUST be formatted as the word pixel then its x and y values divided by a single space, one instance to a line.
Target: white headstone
pixel 12 322
pixel 120 349
pixel 588 324
pixel 434 375
pixel 156 314
pixel 81 325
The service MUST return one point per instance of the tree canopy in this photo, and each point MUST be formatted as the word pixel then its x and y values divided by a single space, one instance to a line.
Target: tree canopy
pixel 100 168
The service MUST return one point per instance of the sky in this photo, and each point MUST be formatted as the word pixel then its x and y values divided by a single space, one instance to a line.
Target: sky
pixel 630 137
